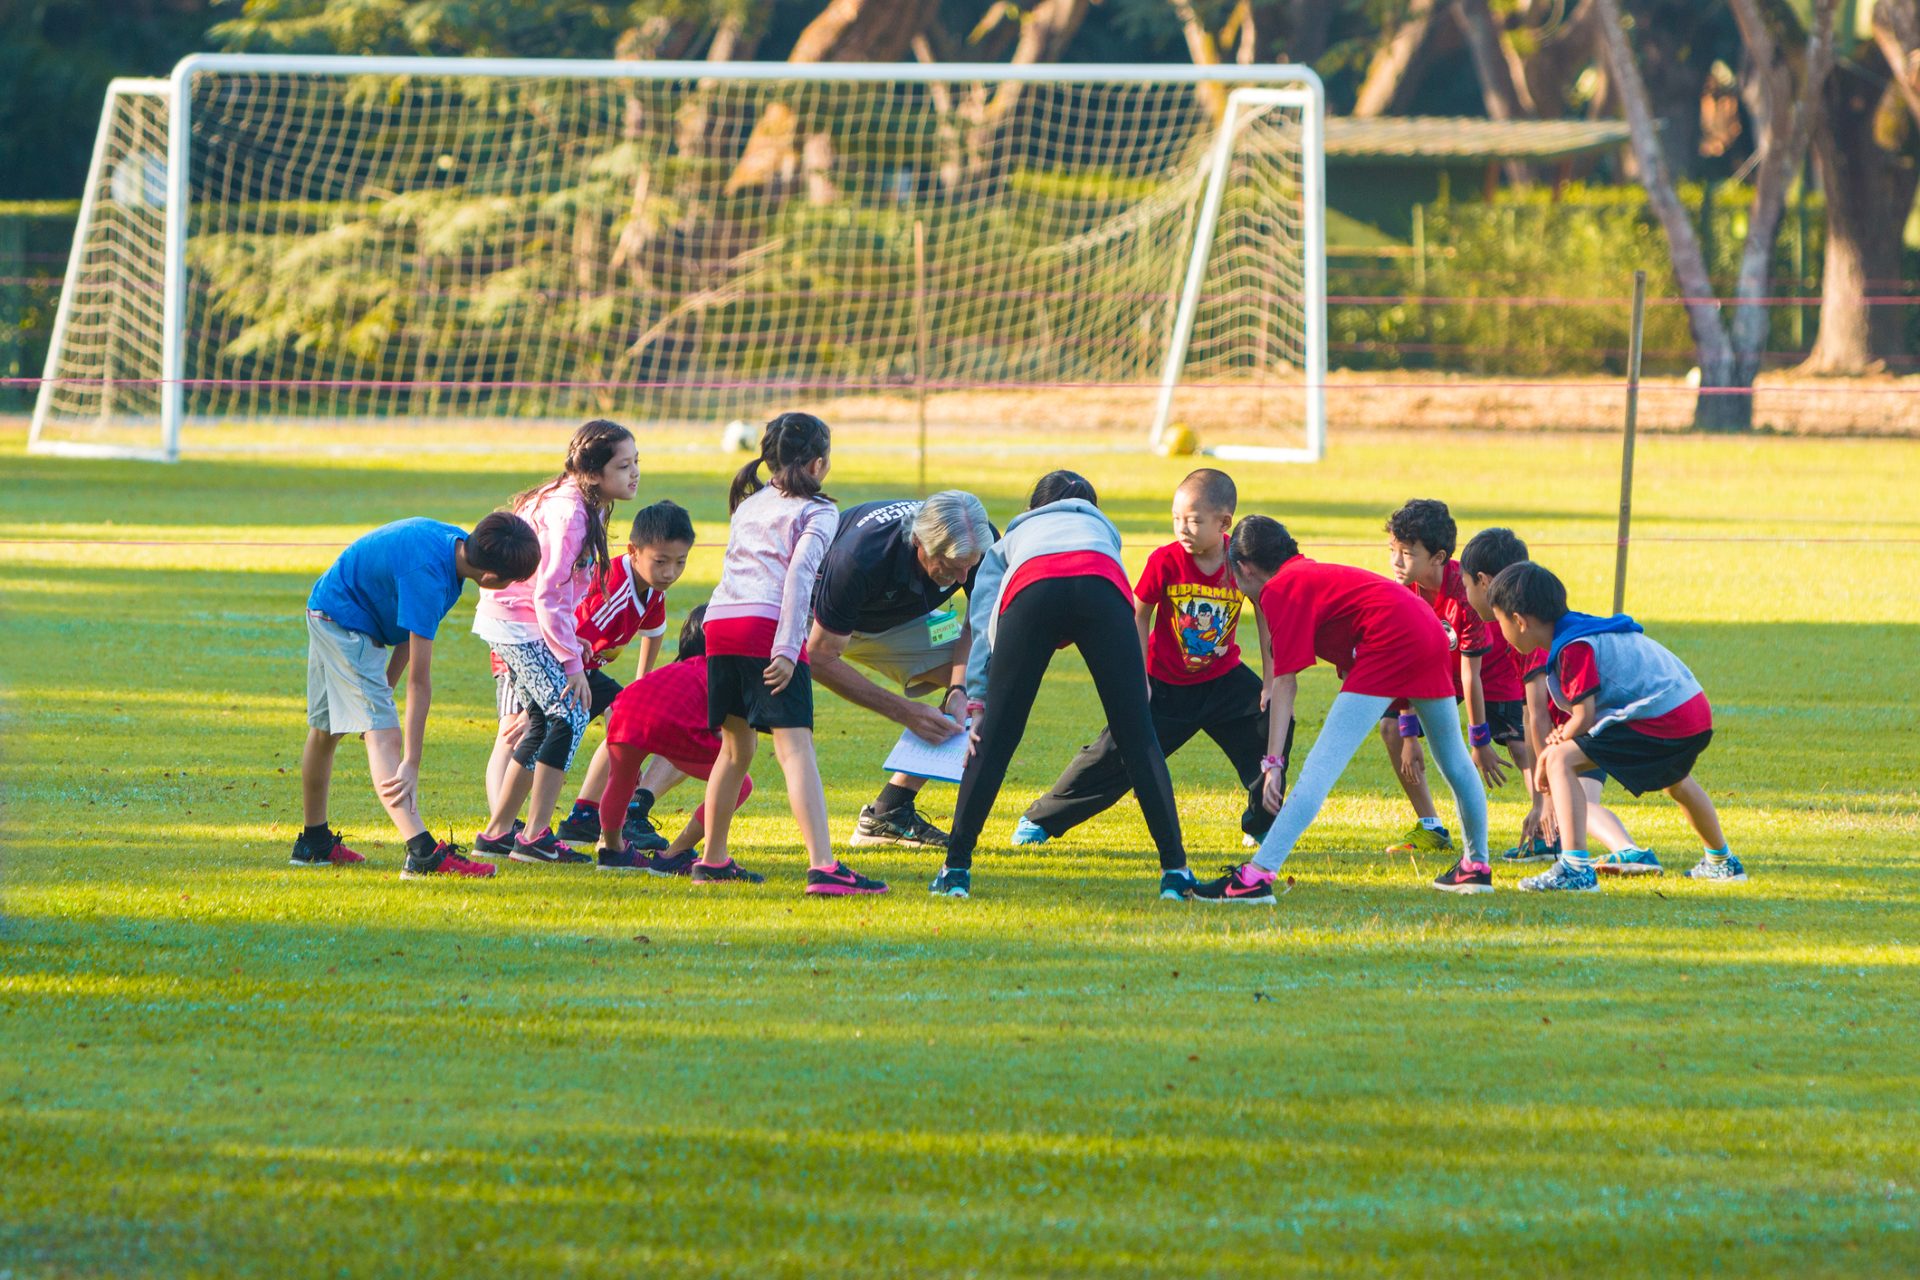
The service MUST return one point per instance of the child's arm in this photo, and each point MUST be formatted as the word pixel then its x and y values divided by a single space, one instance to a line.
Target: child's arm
pixel 982 600
pixel 1266 657
pixel 1282 693
pixel 1143 623
pixel 818 524
pixel 402 789
pixel 1577 723
pixel 562 535
pixel 649 654
pixel 1479 736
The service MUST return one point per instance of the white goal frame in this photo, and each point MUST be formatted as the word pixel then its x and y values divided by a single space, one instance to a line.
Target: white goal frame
pixel 1250 87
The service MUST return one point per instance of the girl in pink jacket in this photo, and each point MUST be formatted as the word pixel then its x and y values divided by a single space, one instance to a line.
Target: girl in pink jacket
pixel 530 627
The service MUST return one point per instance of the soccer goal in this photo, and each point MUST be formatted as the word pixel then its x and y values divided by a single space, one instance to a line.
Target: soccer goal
pixel 1013 254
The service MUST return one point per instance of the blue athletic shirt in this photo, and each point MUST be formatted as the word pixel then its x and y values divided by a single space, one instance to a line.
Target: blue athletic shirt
pixel 398 580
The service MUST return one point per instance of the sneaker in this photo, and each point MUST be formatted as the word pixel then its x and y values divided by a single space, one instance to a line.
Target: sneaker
pixel 1244 883
pixel 1630 862
pixel 547 848
pixel 1025 832
pixel 1422 840
pixel 486 846
pixel 1176 886
pixel 582 826
pixel 1728 872
pixel 1534 850
pixel 326 851
pixel 1562 875
pixel 953 882
pixel 445 860
pixel 898 827
pixel 1249 841
pixel 841 879
pixel 627 859
pixel 728 871
pixel 680 864
pixel 641 834
pixel 1465 877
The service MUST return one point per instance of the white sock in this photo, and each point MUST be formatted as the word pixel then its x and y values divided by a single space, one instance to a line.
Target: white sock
pixel 1432 824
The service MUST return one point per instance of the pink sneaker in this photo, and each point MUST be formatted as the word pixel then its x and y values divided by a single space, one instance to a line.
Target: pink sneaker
pixel 1244 883
pixel 445 860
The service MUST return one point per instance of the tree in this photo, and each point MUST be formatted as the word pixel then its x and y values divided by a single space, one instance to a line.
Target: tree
pixel 1729 350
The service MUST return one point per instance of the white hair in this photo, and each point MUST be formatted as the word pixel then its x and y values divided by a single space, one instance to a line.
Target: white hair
pixel 952 525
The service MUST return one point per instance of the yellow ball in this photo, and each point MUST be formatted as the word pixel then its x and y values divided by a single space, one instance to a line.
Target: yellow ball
pixel 1178 441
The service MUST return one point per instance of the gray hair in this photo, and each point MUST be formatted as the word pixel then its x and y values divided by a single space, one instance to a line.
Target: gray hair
pixel 952 525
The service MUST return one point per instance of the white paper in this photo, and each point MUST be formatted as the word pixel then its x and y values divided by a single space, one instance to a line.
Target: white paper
pixel 918 758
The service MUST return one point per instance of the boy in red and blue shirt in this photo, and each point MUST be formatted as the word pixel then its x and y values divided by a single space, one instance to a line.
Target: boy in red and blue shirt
pixel 1633 709
pixel 1187 610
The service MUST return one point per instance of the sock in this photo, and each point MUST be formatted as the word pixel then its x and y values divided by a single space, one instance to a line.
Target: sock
pixel 1180 871
pixel 1717 855
pixel 1576 858
pixel 315 833
pixel 1254 873
pixel 586 806
pixel 642 802
pixel 892 798
pixel 421 846
pixel 1432 824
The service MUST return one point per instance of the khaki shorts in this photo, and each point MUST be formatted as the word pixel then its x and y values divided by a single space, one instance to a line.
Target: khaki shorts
pixel 346 680
pixel 904 652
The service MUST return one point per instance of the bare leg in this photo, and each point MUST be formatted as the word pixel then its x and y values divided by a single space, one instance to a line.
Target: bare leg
pixel 1564 761
pixel 690 835
pixel 596 779
pixel 737 744
pixel 660 776
pixel 316 774
pixel 805 795
pixel 542 796
pixel 498 766
pixel 1603 824
pixel 1418 794
pixel 506 805
pixel 1689 795
pixel 384 747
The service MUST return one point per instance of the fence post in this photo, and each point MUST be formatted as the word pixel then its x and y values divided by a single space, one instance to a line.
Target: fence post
pixel 920 339
pixel 1420 250
pixel 1626 445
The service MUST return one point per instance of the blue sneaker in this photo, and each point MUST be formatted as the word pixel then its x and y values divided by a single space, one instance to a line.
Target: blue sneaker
pixel 1534 850
pixel 952 882
pixel 1030 833
pixel 1177 886
pixel 1630 862
pixel 1726 872
pixel 1562 875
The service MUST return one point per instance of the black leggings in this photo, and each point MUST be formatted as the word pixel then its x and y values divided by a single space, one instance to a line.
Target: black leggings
pixel 1096 619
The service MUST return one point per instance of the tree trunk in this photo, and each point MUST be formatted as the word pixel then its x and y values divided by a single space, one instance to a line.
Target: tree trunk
pixel 1497 89
pixel 1394 72
pixel 1867 168
pixel 1896 29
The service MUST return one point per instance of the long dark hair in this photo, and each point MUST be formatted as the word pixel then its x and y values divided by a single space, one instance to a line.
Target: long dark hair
pixel 588 453
pixel 791 443
pixel 1057 486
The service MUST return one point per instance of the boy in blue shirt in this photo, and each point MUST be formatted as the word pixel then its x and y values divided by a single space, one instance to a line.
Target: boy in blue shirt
pixel 370 617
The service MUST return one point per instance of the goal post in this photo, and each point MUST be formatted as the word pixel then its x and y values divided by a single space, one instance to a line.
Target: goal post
pixel 389 241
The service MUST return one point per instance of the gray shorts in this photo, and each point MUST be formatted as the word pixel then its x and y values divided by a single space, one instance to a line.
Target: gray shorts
pixel 904 652
pixel 347 680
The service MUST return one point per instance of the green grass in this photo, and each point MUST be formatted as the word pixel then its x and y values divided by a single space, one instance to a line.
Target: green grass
pixel 216 1065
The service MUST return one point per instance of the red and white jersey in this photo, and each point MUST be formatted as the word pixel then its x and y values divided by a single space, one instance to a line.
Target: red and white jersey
pixel 612 613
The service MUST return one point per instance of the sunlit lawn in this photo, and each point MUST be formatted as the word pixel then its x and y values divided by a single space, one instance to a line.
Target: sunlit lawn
pixel 214 1064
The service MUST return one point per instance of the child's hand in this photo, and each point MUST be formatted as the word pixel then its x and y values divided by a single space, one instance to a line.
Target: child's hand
pixel 1540 775
pixel 973 733
pixel 930 724
pixel 1487 760
pixel 513 730
pixel 1273 790
pixel 779 675
pixel 1413 762
pixel 399 791
pixel 580 691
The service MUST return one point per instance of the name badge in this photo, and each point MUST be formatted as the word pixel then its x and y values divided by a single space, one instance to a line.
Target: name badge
pixel 943 627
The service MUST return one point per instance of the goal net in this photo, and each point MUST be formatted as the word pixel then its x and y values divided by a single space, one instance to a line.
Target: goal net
pixel 1005 252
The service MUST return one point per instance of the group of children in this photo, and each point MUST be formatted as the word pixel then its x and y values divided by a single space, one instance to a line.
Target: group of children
pixel 1572 699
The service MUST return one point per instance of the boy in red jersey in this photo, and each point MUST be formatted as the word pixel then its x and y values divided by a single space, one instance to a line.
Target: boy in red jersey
pixel 1197 681
pixel 663 714
pixel 1387 645
pixel 629 603
pixel 1421 537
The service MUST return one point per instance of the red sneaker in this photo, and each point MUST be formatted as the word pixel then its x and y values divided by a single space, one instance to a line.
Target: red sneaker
pixel 445 860
pixel 324 851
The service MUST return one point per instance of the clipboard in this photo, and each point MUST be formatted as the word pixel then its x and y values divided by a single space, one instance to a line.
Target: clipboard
pixel 917 758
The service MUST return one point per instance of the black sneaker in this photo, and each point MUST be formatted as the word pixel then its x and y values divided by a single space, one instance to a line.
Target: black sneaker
pixel 547 848
pixel 1465 877
pixel 680 864
pixel 1176 886
pixel 953 882
pixel 628 859
pixel 445 860
pixel 582 826
pixel 486 846
pixel 896 827
pixel 641 834
pixel 1243 883
pixel 324 850
pixel 841 880
pixel 729 871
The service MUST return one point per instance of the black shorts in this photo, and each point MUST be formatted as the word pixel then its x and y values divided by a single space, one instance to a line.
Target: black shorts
pixel 605 689
pixel 1508 720
pixel 1640 762
pixel 736 686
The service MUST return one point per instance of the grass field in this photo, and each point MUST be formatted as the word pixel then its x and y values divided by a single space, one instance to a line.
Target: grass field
pixel 214 1064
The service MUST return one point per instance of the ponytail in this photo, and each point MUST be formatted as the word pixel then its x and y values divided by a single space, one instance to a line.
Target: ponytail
pixel 790 444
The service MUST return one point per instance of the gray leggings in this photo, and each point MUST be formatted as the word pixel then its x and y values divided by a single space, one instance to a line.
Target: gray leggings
pixel 1351 721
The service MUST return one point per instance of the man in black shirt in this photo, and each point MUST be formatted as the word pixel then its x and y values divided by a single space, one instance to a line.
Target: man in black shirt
pixel 881 603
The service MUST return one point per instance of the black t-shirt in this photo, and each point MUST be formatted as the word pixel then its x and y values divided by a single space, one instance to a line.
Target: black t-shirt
pixel 871 579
